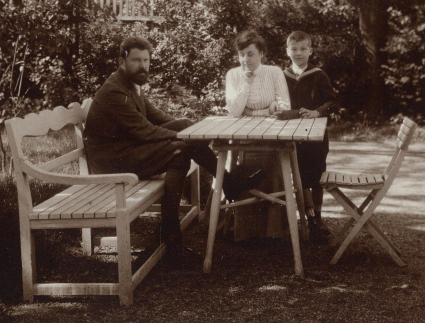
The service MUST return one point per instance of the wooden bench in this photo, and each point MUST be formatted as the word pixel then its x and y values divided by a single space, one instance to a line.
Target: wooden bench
pixel 91 201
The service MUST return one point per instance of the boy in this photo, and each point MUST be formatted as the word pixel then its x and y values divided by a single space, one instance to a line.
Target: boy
pixel 312 96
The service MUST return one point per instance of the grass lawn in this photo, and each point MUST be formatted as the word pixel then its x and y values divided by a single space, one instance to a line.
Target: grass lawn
pixel 250 282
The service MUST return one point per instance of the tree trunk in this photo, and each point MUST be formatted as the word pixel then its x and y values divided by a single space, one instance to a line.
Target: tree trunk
pixel 373 25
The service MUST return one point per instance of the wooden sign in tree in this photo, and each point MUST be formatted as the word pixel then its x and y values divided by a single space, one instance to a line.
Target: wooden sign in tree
pixel 132 10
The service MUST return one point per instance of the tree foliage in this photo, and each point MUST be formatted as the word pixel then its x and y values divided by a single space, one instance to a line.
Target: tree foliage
pixel 54 52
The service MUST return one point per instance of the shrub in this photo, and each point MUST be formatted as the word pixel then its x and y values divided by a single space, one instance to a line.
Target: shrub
pixel 404 74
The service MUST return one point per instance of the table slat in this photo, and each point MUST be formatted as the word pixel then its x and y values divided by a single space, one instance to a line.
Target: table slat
pixel 185 134
pixel 226 123
pixel 230 131
pixel 287 133
pixel 303 130
pixel 258 132
pixel 212 124
pixel 318 129
pixel 274 130
pixel 243 132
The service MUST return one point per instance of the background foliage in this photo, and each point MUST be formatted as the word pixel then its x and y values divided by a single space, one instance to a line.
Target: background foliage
pixel 58 51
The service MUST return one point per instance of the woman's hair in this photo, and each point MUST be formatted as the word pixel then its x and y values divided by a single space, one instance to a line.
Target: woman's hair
pixel 134 42
pixel 298 36
pixel 248 37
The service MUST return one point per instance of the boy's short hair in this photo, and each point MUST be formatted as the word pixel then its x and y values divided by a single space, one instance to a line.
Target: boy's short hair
pixel 298 36
pixel 134 42
pixel 248 37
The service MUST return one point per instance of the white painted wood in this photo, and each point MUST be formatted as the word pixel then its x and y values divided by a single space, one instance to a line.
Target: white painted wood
pixel 93 201
pixel 291 212
pixel 378 186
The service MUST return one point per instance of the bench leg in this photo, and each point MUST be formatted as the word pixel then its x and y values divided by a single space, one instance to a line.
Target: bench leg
pixel 28 264
pixel 87 242
pixel 125 276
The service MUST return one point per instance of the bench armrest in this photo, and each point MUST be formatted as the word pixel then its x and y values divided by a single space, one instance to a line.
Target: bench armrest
pixel 30 169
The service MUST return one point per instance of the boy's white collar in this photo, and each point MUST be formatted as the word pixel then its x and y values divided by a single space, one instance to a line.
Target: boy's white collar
pixel 297 70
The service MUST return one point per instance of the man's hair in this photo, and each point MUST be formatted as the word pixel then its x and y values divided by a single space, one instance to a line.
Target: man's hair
pixel 298 36
pixel 134 42
pixel 248 37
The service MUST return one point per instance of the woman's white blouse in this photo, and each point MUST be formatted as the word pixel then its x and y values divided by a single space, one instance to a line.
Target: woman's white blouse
pixel 269 85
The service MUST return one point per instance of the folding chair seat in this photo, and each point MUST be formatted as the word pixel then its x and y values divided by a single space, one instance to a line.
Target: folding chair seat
pixel 379 185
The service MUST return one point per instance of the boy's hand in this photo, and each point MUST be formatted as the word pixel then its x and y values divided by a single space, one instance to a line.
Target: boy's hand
pixel 309 114
pixel 287 114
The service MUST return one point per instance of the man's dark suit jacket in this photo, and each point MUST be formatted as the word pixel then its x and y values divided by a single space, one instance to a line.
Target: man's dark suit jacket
pixel 123 131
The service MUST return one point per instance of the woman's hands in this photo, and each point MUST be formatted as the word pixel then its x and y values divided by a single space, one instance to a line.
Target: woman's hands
pixel 249 77
pixel 273 108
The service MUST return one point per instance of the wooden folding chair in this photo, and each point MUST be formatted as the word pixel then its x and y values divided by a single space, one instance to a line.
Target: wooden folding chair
pixel 379 184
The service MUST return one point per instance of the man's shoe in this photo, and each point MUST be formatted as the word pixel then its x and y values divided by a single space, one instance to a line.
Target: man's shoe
pixel 233 185
pixel 180 257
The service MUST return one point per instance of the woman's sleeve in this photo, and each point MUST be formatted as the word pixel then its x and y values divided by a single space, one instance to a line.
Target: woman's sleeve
pixel 236 95
pixel 282 91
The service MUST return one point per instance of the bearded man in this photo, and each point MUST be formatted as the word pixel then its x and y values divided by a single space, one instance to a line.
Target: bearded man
pixel 124 133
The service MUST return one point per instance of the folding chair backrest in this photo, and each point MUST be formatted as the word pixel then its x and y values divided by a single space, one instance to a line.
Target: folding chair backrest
pixel 404 138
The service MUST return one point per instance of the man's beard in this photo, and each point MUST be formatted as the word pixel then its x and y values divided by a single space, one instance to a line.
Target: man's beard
pixel 140 77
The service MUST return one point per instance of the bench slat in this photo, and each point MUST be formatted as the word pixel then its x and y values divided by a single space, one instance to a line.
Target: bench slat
pixel 137 198
pixel 100 210
pixel 57 213
pixel 59 200
pixel 90 198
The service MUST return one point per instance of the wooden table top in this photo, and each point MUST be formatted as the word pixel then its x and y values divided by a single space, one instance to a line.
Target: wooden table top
pixel 256 128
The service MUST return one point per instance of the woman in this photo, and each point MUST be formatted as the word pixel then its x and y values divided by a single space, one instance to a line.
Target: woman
pixel 254 89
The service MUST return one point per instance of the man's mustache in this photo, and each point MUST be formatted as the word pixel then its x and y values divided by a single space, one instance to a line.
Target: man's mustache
pixel 142 70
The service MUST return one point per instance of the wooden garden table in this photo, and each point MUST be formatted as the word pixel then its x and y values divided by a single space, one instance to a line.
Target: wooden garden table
pixel 259 134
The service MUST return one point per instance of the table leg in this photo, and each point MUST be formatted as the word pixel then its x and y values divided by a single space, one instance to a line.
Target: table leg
pixel 215 209
pixel 299 193
pixel 291 210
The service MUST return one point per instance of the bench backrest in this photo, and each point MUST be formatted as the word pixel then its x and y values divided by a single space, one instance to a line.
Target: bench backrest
pixel 37 125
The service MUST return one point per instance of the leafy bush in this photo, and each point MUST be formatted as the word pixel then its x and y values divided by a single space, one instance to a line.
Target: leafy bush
pixel 57 51
pixel 405 73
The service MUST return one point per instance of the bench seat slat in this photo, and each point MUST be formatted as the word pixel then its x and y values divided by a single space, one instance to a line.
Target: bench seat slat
pixel 88 210
pixel 134 200
pixel 59 199
pixel 59 212
pixel 87 199
pixel 100 210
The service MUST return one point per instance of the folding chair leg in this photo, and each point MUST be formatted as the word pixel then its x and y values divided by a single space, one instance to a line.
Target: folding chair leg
pixel 362 220
pixel 339 237
pixel 380 238
pixel 373 226
pixel 357 227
